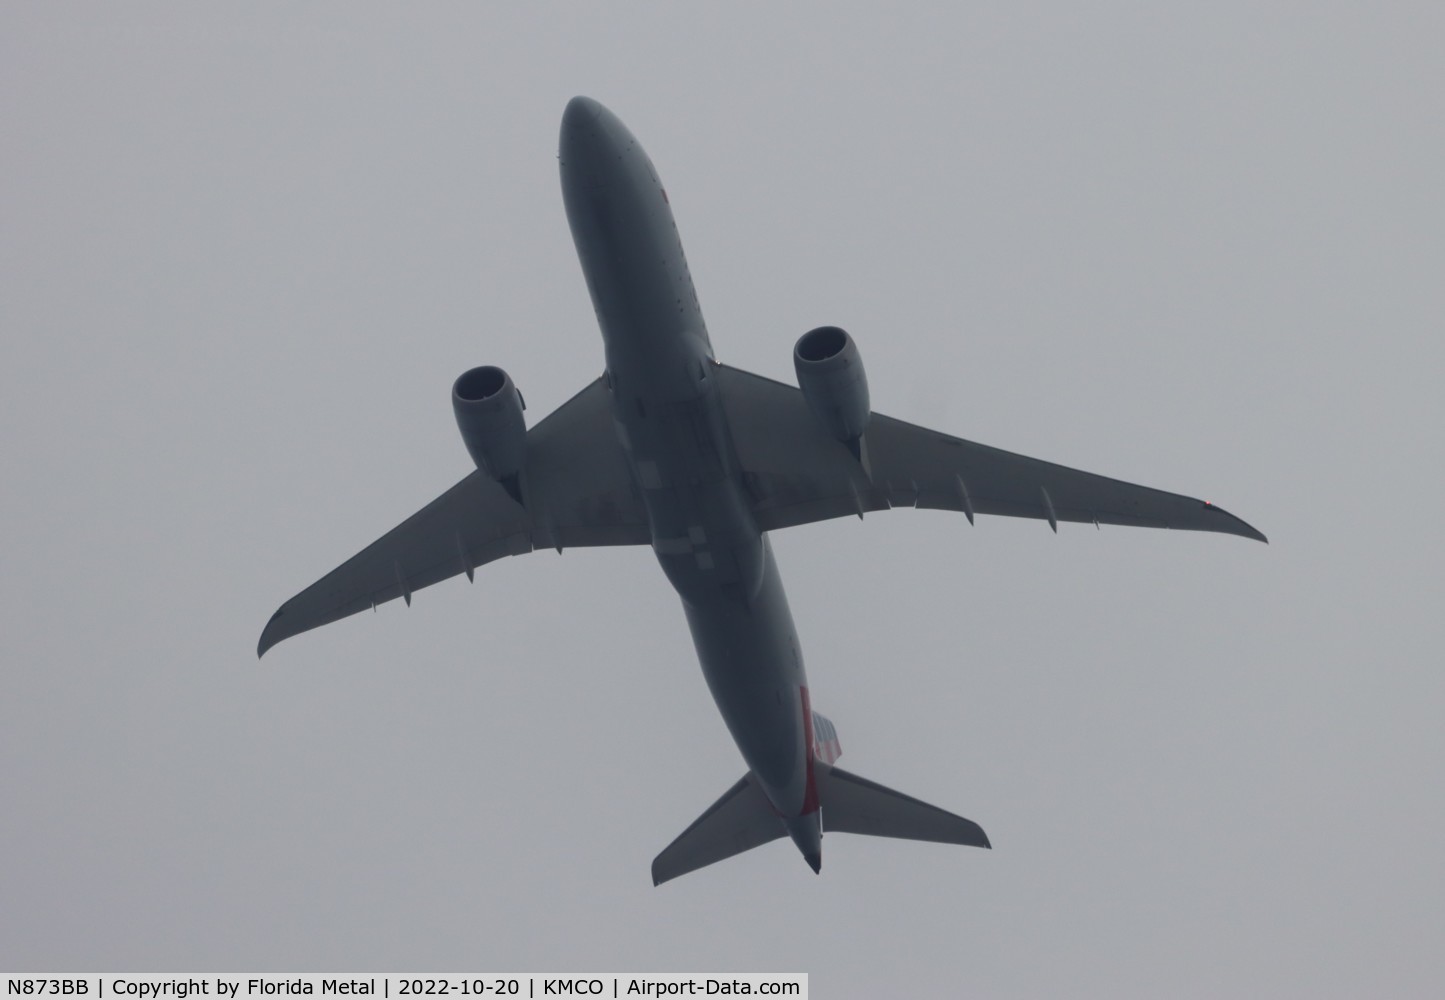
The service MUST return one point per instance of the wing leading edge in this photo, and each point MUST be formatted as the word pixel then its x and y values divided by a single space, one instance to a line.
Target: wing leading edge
pixel 578 491
pixel 797 474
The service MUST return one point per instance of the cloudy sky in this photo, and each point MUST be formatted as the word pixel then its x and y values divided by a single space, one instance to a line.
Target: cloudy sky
pixel 245 249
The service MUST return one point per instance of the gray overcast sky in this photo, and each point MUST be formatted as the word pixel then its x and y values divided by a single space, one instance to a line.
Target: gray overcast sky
pixel 245 249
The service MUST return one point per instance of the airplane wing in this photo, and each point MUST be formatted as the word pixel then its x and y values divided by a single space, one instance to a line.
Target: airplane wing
pixel 796 473
pixel 579 491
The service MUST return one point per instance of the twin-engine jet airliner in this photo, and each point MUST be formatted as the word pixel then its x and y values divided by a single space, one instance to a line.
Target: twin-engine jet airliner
pixel 673 449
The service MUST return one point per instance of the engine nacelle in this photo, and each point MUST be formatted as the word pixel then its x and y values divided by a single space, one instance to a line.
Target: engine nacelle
pixel 489 415
pixel 830 373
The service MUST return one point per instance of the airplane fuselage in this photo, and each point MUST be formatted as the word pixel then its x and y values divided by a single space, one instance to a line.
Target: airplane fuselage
pixel 670 421
pixel 674 449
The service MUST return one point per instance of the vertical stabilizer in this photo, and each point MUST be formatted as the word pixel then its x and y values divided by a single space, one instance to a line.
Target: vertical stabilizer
pixel 826 747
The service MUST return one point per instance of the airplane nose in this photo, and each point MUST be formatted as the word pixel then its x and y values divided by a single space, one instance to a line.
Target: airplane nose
pixel 596 150
pixel 582 138
pixel 580 107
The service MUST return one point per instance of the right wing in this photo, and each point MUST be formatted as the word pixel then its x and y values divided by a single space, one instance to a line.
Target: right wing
pixel 797 474
pixel 579 492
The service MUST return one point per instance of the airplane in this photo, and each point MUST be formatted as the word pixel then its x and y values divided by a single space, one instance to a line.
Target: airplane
pixel 671 448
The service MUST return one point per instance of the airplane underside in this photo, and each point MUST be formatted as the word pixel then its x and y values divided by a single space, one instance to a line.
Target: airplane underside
pixel 699 460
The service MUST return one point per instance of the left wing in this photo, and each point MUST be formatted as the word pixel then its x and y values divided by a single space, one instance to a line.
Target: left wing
pixel 797 474
pixel 578 490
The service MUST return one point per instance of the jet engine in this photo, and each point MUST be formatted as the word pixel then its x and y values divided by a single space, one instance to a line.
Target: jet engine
pixel 830 373
pixel 489 415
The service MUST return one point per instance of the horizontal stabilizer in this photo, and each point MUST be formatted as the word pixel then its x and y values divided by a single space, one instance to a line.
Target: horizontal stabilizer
pixel 856 805
pixel 739 821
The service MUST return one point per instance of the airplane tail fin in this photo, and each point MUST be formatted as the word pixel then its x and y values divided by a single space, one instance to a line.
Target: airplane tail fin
pixel 743 819
pixel 826 747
